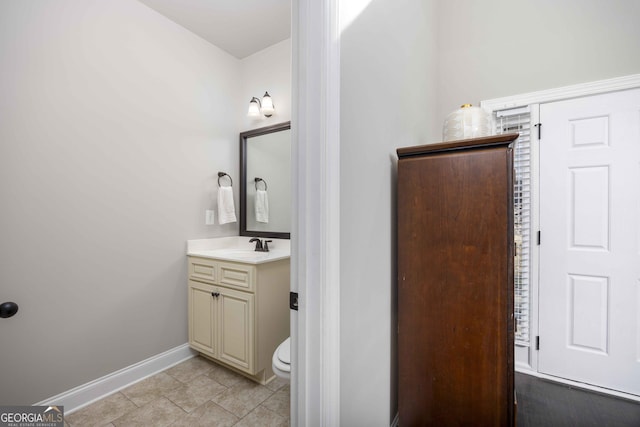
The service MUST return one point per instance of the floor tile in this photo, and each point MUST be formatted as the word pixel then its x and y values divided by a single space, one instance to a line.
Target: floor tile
pixel 264 418
pixel 190 369
pixel 207 415
pixel 197 392
pixel 158 413
pixel 276 384
pixel 243 397
pixel 279 402
pixel 224 376
pixel 151 388
pixel 101 412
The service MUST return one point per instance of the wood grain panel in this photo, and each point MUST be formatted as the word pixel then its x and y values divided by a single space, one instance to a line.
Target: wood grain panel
pixel 455 285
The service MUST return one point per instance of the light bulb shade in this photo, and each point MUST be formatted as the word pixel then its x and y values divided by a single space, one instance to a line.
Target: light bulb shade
pixel 254 107
pixel 267 105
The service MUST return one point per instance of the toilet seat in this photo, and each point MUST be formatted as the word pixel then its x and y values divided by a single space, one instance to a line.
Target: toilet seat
pixel 284 351
pixel 281 360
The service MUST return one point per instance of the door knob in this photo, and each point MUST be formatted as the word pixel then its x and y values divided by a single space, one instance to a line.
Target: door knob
pixel 8 309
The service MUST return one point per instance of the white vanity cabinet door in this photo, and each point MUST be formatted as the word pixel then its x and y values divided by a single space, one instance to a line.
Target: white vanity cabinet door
pixel 221 324
pixel 236 337
pixel 202 314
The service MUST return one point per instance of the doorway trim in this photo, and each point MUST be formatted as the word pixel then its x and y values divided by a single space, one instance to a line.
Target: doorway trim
pixel 566 92
pixel 315 237
pixel 527 357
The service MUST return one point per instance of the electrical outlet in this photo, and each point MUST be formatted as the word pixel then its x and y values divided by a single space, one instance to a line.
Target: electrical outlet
pixel 208 217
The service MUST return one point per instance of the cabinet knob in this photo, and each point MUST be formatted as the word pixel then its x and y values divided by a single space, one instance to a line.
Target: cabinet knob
pixel 215 294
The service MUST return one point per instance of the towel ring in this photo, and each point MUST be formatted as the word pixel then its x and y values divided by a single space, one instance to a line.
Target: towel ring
pixel 257 180
pixel 221 174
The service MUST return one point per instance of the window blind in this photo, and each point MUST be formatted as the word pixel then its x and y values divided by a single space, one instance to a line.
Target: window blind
pixel 510 121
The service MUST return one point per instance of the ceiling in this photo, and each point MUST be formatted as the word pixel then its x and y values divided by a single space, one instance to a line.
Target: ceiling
pixel 239 27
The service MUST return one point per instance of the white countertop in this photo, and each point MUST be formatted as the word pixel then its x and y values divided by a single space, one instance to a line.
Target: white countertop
pixel 238 249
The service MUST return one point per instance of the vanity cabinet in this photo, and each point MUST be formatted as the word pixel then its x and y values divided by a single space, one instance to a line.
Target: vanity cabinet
pixel 238 313
pixel 222 324
pixel 455 283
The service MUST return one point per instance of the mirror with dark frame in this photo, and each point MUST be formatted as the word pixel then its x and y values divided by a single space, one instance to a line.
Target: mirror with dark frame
pixel 265 182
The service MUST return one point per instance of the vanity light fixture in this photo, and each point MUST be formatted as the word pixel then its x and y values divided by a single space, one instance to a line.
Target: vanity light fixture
pixel 257 107
pixel 267 105
pixel 254 108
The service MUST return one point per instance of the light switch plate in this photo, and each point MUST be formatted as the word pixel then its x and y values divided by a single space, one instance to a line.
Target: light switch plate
pixel 208 217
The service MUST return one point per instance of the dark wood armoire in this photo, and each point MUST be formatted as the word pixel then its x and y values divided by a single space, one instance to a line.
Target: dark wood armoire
pixel 455 283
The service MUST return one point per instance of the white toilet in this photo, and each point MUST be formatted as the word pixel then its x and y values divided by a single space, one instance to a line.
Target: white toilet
pixel 281 360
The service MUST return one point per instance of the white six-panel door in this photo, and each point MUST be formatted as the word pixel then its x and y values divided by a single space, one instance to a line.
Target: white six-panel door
pixel 589 291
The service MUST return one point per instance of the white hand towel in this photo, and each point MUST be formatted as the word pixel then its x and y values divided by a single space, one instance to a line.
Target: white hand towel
pixel 226 209
pixel 262 206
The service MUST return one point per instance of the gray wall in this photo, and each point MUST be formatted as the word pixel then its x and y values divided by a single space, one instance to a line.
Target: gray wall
pixel 494 48
pixel 405 66
pixel 113 124
pixel 387 86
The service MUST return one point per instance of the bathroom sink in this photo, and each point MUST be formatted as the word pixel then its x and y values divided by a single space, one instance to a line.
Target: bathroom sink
pixel 237 249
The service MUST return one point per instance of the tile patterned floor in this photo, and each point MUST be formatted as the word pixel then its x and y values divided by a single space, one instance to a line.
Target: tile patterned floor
pixel 196 392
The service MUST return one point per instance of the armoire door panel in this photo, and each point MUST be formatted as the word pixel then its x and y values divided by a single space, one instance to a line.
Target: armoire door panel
pixel 455 283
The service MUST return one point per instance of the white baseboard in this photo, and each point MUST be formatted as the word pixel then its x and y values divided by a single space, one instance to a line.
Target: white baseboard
pixel 580 385
pixel 85 394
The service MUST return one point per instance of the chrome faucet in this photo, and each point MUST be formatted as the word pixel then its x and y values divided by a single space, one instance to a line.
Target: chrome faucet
pixel 260 245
